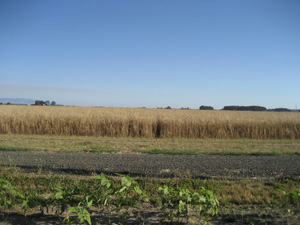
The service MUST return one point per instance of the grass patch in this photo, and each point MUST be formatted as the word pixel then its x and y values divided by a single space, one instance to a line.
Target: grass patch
pixel 252 153
pixel 100 151
pixel 3 148
pixel 150 145
pixel 166 152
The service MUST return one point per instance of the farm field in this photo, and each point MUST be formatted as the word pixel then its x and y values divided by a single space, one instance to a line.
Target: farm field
pixel 176 133
pixel 159 123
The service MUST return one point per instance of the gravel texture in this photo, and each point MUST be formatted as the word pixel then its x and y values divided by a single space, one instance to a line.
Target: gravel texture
pixel 195 166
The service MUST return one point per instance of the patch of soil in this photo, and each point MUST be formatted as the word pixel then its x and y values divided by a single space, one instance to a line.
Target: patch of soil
pixel 147 214
pixel 193 166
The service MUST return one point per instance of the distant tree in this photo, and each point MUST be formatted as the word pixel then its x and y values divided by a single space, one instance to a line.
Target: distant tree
pixel 231 107
pixel 8 103
pixel 281 110
pixel 53 103
pixel 47 102
pixel 204 107
pixel 39 102
pixel 168 107
pixel 245 108
pixel 1 103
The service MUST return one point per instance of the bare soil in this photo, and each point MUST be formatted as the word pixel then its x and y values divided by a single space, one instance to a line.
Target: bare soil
pixel 147 214
pixel 193 166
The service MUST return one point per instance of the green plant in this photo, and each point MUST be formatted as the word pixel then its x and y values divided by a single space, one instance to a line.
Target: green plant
pixel 204 201
pixel 128 195
pixel 8 194
pixel 292 197
pixel 64 197
pixel 28 203
pixel 123 196
pixel 180 200
pixel 82 212
pixel 103 194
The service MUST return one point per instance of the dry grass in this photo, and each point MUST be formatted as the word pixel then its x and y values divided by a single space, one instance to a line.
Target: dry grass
pixel 121 122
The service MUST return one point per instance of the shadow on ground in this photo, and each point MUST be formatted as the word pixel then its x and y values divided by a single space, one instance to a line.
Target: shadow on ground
pixel 153 217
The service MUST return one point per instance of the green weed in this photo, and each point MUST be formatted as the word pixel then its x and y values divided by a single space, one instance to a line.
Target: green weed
pixel 180 201
pixel 3 148
pixel 292 197
pixel 167 152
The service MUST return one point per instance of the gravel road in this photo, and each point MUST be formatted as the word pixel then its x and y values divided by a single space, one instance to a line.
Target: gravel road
pixel 196 166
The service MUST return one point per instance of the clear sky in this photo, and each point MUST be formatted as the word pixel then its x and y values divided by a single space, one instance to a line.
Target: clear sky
pixel 152 53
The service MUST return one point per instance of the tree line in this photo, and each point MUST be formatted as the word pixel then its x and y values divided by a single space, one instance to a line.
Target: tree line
pixel 239 108
pixel 41 102
pixel 37 102
pixel 247 108
pixel 202 107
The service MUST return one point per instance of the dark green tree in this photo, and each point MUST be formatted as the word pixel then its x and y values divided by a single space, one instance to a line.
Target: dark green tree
pixel 39 102
pixel 245 108
pixel 281 110
pixel 204 107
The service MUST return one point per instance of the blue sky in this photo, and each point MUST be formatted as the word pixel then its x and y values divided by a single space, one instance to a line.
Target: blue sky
pixel 158 53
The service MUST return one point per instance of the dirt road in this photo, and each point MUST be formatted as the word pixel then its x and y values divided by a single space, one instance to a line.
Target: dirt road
pixel 196 166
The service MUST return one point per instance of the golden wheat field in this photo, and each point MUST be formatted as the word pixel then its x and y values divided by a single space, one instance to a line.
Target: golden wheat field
pixel 133 122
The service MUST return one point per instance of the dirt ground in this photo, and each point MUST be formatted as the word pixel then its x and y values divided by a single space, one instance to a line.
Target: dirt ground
pixel 148 214
pixel 194 166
